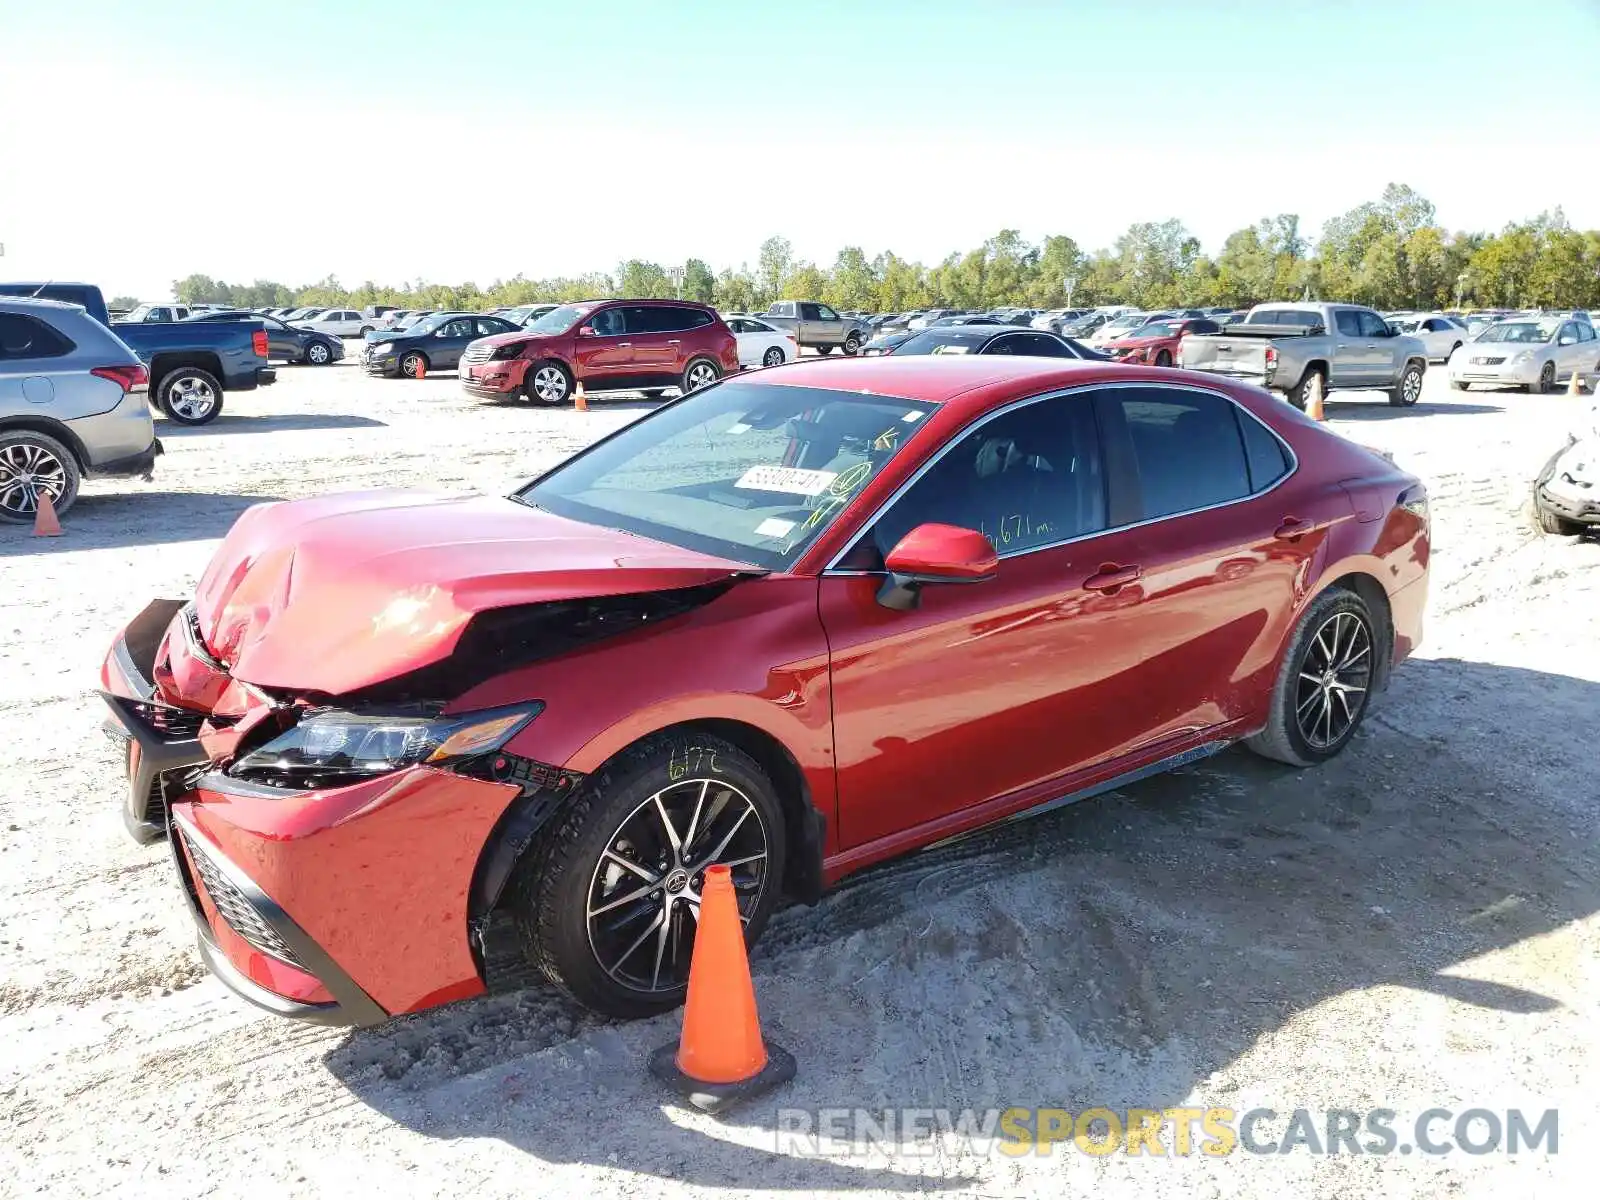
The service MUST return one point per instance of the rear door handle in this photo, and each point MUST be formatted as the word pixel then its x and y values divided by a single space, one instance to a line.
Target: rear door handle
pixel 624 345
pixel 1111 578
pixel 1293 529
pixel 675 342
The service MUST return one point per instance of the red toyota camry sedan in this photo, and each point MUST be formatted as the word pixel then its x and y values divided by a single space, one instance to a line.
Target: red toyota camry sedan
pixel 795 622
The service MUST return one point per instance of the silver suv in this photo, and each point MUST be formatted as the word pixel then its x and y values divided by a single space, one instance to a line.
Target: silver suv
pixel 73 402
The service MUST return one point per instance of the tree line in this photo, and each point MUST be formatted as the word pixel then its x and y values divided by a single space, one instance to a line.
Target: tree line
pixel 1390 253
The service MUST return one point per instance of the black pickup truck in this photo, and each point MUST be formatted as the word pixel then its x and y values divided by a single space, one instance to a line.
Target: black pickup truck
pixel 192 363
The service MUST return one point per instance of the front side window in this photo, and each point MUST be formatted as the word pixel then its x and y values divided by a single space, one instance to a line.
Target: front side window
pixel 748 472
pixel 826 313
pixel 1372 325
pixel 1347 322
pixel 608 322
pixel 1186 447
pixel 459 328
pixel 1030 477
pixel 809 312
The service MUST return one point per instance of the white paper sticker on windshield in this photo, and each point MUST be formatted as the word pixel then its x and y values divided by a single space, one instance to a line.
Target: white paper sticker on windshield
pixel 952 349
pixel 911 416
pixel 738 427
pixel 794 480
pixel 774 527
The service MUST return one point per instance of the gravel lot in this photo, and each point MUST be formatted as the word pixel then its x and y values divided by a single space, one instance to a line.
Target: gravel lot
pixel 1411 926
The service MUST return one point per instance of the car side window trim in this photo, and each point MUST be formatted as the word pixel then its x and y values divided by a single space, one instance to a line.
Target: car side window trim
pixel 955 438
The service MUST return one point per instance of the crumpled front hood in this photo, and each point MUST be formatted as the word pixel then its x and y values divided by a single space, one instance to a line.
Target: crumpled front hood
pixel 344 591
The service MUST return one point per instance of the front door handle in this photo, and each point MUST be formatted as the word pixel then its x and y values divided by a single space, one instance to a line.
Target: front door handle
pixel 1112 578
pixel 675 342
pixel 1292 529
pixel 624 345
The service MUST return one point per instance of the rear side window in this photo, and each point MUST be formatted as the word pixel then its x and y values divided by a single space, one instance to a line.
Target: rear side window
pixel 26 337
pixel 1186 447
pixel 1264 453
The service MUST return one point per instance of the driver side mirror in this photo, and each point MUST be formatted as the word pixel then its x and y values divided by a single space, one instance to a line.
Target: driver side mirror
pixel 586 331
pixel 935 553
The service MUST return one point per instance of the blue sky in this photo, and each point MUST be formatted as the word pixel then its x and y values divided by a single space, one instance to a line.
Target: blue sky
pixel 460 140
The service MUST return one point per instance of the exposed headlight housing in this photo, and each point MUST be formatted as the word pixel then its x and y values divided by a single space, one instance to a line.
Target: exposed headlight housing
pixel 333 746
pixel 509 350
pixel 382 347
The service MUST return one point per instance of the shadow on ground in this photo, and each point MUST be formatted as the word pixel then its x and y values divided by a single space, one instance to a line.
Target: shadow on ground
pixel 239 423
pixel 1382 410
pixel 132 518
pixel 1122 952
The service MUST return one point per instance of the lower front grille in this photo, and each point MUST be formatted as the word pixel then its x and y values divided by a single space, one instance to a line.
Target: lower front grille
pixel 174 724
pixel 234 908
pixel 477 354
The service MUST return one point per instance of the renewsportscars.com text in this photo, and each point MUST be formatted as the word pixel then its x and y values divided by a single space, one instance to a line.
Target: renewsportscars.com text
pixel 1165 1133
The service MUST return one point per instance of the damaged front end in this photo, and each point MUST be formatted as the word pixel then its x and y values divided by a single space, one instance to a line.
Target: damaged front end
pixel 343 853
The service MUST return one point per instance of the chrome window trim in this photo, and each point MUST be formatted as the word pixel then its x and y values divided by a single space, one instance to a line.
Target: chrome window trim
pixel 833 568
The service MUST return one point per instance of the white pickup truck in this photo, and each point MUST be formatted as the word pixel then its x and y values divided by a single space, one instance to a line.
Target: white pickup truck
pixel 813 323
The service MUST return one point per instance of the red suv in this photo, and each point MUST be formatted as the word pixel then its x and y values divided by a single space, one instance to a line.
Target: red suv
pixel 606 345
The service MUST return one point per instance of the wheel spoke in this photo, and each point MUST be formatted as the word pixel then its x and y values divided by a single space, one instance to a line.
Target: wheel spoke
pixel 694 818
pixel 637 894
pixel 666 929
pixel 748 858
pixel 727 837
pixel 613 857
pixel 661 917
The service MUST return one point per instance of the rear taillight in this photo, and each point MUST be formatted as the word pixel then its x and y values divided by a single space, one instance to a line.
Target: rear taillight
pixel 1272 358
pixel 1415 501
pixel 258 343
pixel 130 379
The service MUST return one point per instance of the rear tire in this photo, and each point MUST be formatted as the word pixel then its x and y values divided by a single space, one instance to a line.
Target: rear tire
pixel 189 396
pixel 1311 383
pixel 852 344
pixel 30 463
pixel 701 372
pixel 1408 391
pixel 610 834
pixel 1332 618
pixel 824 349
pixel 774 357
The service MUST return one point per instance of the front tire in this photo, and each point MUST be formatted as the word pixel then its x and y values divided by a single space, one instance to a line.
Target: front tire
pixel 701 372
pixel 549 383
pixel 411 363
pixel 1163 359
pixel 30 464
pixel 1409 390
pixel 606 903
pixel 318 354
pixel 1325 683
pixel 190 396
pixel 1547 379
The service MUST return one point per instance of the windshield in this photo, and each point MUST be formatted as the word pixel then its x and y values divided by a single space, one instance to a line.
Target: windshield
pixel 558 320
pixel 749 472
pixel 1520 331
pixel 428 323
pixel 1404 325
pixel 1157 329
pixel 940 341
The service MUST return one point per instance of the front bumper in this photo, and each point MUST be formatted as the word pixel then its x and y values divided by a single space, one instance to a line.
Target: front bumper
pixel 1506 374
pixel 341 905
pixel 386 364
pixel 493 380
pixel 1565 503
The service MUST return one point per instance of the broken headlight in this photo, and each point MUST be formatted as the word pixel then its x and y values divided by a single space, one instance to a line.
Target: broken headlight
pixel 331 746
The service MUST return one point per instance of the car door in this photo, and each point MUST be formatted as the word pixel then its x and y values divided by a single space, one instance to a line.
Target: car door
pixel 282 341
pixel 1567 349
pixel 988 688
pixel 37 373
pixel 605 352
pixel 655 336
pixel 830 326
pixel 1382 352
pixel 1351 364
pixel 448 341
pixel 1221 553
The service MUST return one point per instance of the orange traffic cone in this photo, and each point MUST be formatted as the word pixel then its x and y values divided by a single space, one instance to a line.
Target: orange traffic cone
pixel 1314 408
pixel 45 521
pixel 579 400
pixel 720 1059
pixel 1575 384
pixel 422 368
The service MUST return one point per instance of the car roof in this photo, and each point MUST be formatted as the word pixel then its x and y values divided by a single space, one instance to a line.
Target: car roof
pixel 940 378
pixel 38 304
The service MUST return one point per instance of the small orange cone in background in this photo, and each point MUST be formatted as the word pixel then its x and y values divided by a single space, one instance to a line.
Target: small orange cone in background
pixel 1314 408
pixel 1575 384
pixel 45 521
pixel 720 1059
pixel 579 400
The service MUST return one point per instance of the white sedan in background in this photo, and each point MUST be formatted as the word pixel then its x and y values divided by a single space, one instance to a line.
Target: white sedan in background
pixel 1439 334
pixel 1531 353
pixel 338 322
pixel 760 345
